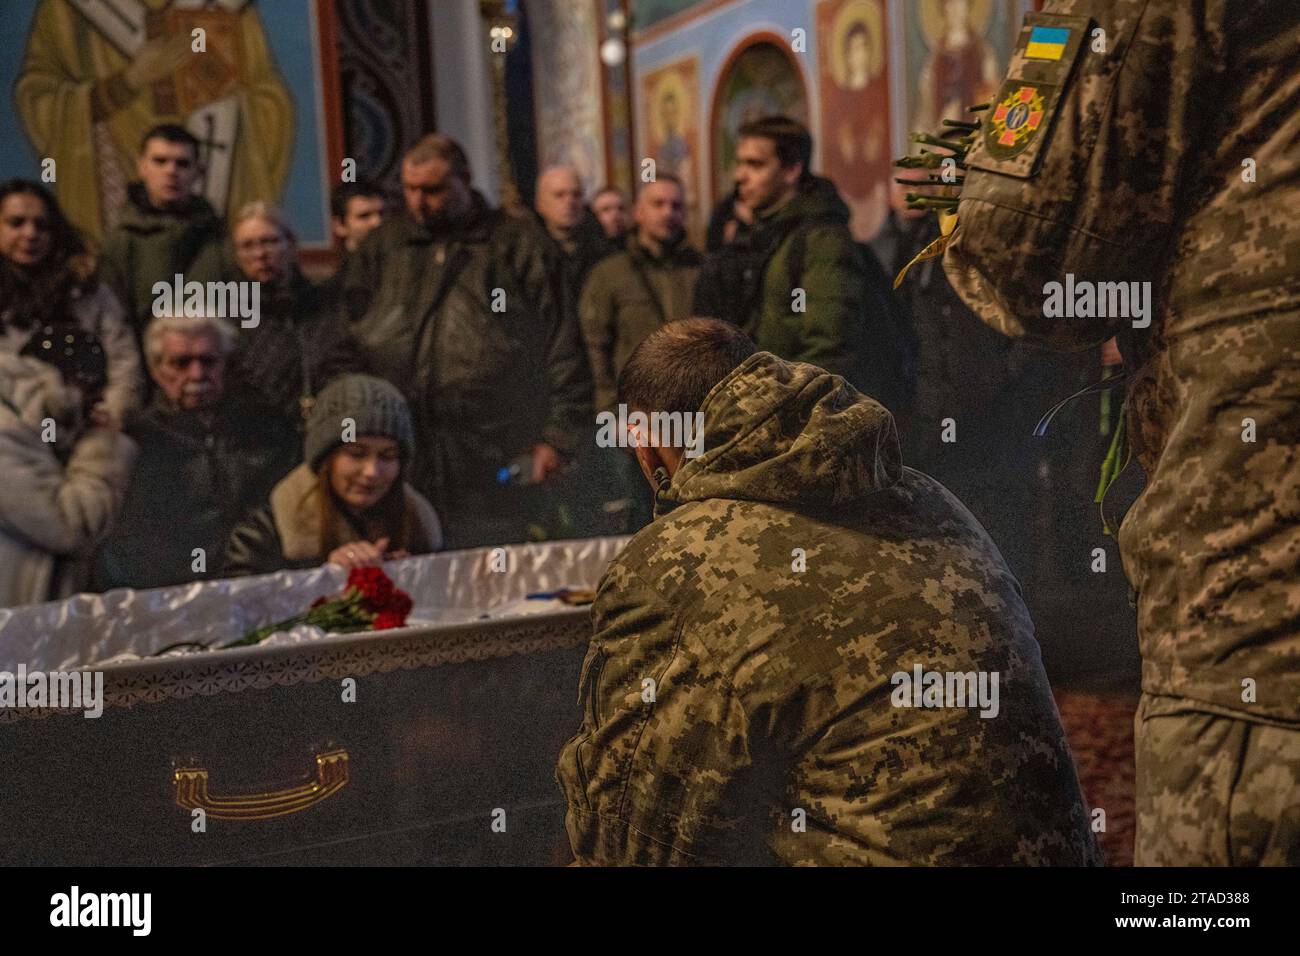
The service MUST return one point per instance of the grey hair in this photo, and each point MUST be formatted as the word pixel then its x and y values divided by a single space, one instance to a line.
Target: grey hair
pixel 265 210
pixel 186 325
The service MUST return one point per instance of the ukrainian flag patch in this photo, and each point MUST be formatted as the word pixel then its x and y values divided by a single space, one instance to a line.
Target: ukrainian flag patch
pixel 1047 43
pixel 1018 125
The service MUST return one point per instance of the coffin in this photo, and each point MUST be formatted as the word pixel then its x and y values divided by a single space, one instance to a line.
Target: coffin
pixel 446 755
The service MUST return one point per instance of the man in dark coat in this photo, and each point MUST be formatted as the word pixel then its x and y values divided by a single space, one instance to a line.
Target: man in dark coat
pixel 796 282
pixel 572 229
pixel 463 308
pixel 206 457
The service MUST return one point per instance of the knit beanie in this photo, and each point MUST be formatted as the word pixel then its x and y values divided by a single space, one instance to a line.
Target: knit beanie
pixel 376 406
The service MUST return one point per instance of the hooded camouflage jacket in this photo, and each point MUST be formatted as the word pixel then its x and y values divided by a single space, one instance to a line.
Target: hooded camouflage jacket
pixel 739 693
pixel 1169 159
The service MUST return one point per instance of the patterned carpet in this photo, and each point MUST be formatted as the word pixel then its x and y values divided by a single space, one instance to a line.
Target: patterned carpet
pixel 1100 731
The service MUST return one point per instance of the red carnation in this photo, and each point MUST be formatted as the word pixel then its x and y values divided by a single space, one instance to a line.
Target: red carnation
pixel 374 586
pixel 399 603
pixel 387 620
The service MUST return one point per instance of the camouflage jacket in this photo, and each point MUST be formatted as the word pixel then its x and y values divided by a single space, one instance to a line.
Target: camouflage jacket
pixel 1158 146
pixel 739 695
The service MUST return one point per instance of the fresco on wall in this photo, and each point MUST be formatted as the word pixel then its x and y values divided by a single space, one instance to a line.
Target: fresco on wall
pixel 853 72
pixel 761 81
pixel 957 52
pixel 670 132
pixel 93 78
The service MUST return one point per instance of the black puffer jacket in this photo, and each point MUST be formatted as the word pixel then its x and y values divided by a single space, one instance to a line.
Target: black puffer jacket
pixel 280 359
pixel 484 385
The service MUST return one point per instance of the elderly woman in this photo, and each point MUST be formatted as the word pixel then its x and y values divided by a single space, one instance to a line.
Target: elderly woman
pixel 278 358
pixel 48 288
pixel 348 503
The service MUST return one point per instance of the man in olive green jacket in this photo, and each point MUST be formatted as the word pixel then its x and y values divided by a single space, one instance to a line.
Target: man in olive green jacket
pixel 796 282
pixel 634 292
pixel 813 655
pixel 164 228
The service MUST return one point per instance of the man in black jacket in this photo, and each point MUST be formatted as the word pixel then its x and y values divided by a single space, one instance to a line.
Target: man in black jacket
pixel 207 455
pixel 571 227
pixel 463 308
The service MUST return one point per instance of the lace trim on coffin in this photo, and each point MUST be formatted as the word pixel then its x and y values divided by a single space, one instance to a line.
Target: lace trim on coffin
pixel 313 662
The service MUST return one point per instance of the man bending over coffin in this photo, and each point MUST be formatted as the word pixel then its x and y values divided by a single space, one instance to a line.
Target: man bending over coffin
pixel 813 655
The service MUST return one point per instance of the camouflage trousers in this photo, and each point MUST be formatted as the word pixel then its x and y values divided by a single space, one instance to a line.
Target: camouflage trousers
pixel 1214 790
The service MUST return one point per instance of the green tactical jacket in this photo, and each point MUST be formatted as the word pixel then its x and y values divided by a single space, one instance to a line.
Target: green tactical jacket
pixel 626 297
pixel 741 695
pixel 798 285
pixel 148 246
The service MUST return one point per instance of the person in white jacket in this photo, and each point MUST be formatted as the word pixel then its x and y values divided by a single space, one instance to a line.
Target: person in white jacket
pixel 48 283
pixel 64 480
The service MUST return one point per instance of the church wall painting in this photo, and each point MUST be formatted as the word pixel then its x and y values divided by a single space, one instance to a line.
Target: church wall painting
pixel 760 77
pixel 263 98
pixel 670 131
pixel 647 13
pixel 956 55
pixel 853 67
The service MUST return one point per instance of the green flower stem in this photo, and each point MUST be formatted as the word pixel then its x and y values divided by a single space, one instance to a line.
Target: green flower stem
pixel 341 615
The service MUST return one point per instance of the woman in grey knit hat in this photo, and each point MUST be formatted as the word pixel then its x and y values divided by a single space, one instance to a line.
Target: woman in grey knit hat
pixel 347 503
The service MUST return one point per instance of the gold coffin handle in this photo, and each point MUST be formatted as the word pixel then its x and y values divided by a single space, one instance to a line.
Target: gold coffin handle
pixel 192 792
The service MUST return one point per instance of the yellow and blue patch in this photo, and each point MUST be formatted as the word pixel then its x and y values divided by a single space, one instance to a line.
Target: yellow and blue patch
pixel 1047 43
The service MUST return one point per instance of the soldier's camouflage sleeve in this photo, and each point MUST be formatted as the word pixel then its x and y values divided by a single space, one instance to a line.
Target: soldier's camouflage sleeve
pixel 1154 142
pixel 1078 165
pixel 650 776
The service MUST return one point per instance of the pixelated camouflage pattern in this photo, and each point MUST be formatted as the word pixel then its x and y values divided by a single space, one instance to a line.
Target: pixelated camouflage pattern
pixel 1213 790
pixel 1141 180
pixel 772 689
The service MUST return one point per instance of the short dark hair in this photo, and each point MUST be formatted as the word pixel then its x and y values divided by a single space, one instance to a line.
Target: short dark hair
pixel 344 193
pixel 794 144
pixel 666 178
pixel 606 189
pixel 677 365
pixel 438 146
pixel 172 133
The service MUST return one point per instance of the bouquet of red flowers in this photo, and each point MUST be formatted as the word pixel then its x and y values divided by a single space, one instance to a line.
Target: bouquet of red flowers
pixel 370 602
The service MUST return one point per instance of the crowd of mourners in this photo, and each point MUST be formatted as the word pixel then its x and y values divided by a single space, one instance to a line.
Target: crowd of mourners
pixel 440 389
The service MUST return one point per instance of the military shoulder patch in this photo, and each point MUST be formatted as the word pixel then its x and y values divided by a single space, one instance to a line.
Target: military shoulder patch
pixel 1017 117
pixel 1019 121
